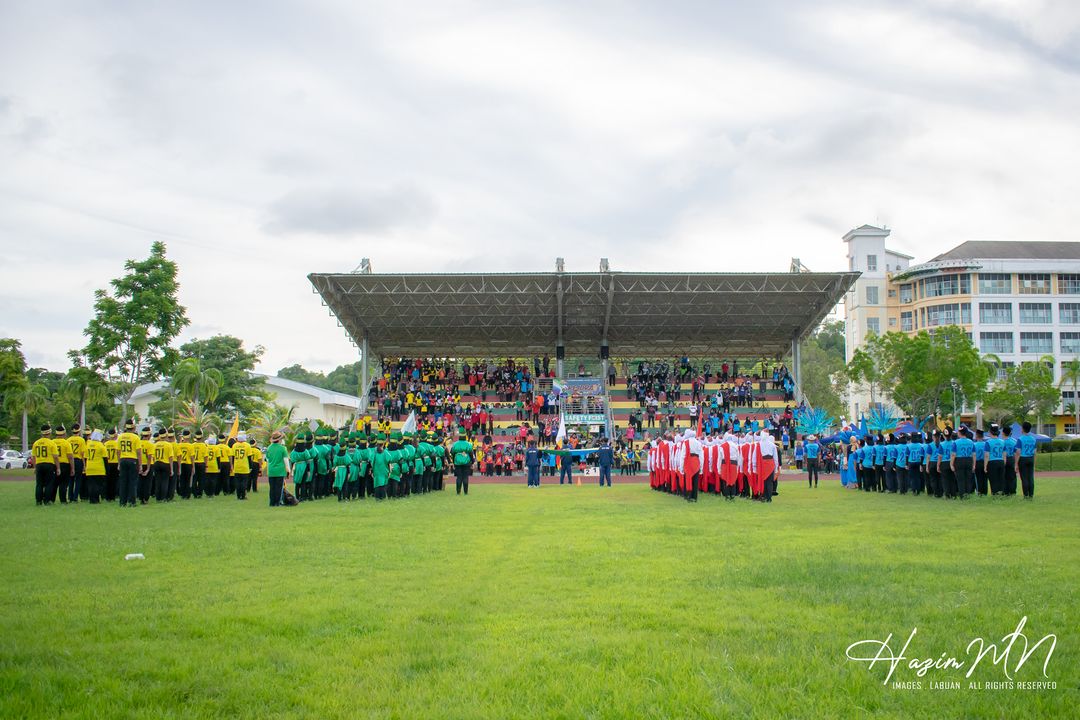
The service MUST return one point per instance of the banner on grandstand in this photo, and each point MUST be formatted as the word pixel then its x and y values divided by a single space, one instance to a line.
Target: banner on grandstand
pixel 585 419
pixel 585 386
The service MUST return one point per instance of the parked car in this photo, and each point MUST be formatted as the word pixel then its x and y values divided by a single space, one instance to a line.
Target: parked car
pixel 1067 436
pixel 12 459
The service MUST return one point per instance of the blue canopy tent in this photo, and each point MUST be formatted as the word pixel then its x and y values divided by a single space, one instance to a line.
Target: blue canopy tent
pixel 1017 431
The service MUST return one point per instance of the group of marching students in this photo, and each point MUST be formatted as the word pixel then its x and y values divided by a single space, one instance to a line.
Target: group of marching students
pixel 730 464
pixel 129 466
pixel 944 464
pixel 135 466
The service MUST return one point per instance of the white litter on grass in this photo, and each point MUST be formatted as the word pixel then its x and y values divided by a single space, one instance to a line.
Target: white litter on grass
pixel 134 556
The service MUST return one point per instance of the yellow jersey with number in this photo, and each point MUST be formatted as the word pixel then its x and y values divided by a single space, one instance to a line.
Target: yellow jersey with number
pixel 198 452
pixel 43 450
pixel 95 457
pixel 63 449
pixel 163 451
pixel 78 447
pixel 147 451
pixel 211 459
pixel 128 444
pixel 112 452
pixel 185 453
pixel 241 452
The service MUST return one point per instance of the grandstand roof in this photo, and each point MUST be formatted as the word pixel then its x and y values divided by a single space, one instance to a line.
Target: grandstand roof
pixel 639 314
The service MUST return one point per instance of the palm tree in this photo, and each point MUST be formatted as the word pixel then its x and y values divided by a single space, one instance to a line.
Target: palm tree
pixel 1070 375
pixel 196 420
pixel 271 420
pixel 195 384
pixel 87 386
pixel 26 398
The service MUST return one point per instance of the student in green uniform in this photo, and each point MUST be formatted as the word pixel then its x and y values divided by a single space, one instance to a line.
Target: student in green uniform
pixel 462 453
pixel 301 464
pixel 380 467
pixel 277 467
pixel 341 471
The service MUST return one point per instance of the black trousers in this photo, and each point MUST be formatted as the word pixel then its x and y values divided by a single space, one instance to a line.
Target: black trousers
pixel 277 485
pixel 866 478
pixel 879 478
pixel 95 484
pixel 77 489
pixel 144 486
pixel 183 488
pixel 995 476
pixel 691 491
pixel 44 480
pixel 890 475
pixel 112 481
pixel 198 477
pixel 914 478
pixel 1010 476
pixel 254 483
pixel 224 484
pixel 965 480
pixel 1027 476
pixel 63 481
pixel 811 473
pixel 209 483
pixel 127 481
pixel 162 474
pixel 461 477
pixel 240 482
pixel 980 477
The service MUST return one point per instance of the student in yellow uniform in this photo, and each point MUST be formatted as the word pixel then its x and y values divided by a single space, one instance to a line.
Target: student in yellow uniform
pixel 198 464
pixel 183 483
pixel 255 460
pixel 174 467
pixel 146 477
pixel 241 466
pixel 46 462
pixel 163 460
pixel 129 447
pixel 213 470
pixel 95 467
pixel 112 469
pixel 63 450
pixel 226 481
pixel 77 489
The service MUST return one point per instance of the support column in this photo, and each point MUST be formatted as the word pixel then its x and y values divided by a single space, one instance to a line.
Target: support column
pixel 365 380
pixel 796 369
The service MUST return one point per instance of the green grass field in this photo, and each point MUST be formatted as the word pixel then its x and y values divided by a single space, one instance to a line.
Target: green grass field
pixel 563 602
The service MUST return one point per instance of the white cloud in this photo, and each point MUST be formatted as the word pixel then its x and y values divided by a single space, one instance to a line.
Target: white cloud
pixel 472 135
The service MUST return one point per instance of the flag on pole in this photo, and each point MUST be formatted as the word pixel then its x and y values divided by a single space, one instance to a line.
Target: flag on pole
pixel 235 426
pixel 410 424
pixel 560 437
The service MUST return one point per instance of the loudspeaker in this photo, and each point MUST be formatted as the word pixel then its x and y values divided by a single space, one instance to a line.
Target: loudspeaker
pixel 560 352
pixel 604 352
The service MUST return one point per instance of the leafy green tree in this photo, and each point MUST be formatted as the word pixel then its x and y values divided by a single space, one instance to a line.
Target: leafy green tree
pixel 299 373
pixel 822 378
pixel 1028 391
pixel 831 338
pixel 239 390
pixel 344 379
pixel 1070 375
pixel 25 399
pixel 134 325
pixel 270 420
pixel 868 366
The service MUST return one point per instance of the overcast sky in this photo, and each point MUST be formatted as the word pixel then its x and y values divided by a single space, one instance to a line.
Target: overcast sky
pixel 264 140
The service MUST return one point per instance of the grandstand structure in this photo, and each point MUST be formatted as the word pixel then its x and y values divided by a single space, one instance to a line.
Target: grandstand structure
pixel 740 316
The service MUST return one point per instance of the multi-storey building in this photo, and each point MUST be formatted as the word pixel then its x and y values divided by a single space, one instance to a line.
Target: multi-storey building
pixel 1019 301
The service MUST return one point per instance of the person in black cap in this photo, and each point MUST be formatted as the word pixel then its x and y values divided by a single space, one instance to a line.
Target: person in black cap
pixel 77 490
pixel 112 465
pixel 198 464
pixel 130 449
pixel 183 486
pixel 46 462
pixel 64 479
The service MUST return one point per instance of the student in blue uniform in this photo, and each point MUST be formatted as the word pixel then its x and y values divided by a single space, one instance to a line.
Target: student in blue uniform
pixel 980 462
pixel 813 451
pixel 934 488
pixel 532 464
pixel 1010 460
pixel 962 463
pixel 1025 462
pixel 915 452
pixel 879 464
pixel 900 464
pixel 995 461
pixel 868 463
pixel 945 456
